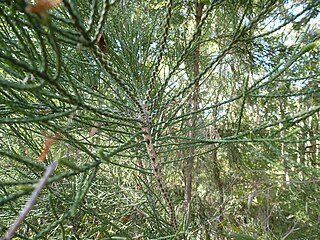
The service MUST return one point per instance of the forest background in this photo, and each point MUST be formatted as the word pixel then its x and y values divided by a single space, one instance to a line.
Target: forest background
pixel 168 119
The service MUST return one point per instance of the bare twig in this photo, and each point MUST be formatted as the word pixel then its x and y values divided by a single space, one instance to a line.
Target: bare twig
pixel 290 231
pixel 32 201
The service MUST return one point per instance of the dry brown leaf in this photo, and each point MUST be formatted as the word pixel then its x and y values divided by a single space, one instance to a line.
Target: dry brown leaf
pixel 95 129
pixel 43 6
pixel 47 145
pixel 102 43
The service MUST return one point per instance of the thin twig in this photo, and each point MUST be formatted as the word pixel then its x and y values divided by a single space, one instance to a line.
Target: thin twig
pixel 32 201
pixel 290 231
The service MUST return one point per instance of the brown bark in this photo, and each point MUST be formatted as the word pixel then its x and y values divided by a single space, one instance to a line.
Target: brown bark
pixel 284 149
pixel 195 106
pixel 156 164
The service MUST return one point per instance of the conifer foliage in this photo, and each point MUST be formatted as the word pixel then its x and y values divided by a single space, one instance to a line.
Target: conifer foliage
pixel 159 119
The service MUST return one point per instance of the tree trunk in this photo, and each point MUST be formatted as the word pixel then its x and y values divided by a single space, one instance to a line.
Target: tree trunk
pixel 284 148
pixel 192 133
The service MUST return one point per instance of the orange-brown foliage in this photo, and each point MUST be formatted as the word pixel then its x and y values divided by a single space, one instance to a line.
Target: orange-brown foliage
pixel 47 145
pixel 42 6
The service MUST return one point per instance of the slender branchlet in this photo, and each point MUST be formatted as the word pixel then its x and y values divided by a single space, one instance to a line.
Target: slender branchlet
pixel 156 164
pixel 32 201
